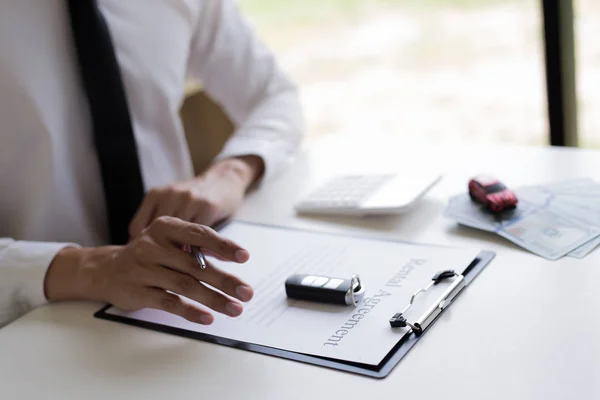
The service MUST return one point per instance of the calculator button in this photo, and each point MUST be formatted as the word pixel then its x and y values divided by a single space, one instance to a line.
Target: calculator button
pixel 346 192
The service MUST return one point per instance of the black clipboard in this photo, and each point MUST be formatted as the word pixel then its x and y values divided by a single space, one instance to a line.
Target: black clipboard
pixel 404 345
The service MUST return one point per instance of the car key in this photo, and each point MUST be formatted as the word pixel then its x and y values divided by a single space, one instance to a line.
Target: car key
pixel 325 289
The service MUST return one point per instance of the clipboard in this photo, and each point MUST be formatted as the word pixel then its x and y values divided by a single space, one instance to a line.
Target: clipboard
pixel 381 370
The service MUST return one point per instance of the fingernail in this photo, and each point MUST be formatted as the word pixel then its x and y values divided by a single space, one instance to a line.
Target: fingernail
pixel 244 292
pixel 233 309
pixel 203 319
pixel 242 255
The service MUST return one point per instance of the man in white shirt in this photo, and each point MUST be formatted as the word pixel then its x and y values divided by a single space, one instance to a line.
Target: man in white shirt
pixel 53 208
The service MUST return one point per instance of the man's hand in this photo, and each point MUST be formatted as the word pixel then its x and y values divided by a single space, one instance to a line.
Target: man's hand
pixel 209 198
pixel 142 273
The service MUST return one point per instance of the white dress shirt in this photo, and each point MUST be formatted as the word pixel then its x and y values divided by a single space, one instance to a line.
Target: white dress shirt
pixel 50 184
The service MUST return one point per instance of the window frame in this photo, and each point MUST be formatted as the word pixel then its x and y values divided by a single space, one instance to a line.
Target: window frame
pixel 559 51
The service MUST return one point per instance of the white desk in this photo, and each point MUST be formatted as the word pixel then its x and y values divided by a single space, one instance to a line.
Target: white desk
pixel 526 329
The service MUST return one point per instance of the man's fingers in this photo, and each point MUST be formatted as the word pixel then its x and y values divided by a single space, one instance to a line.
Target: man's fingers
pixel 179 260
pixel 171 256
pixel 161 300
pixel 182 232
pixel 187 209
pixel 143 216
pixel 209 253
pixel 208 212
pixel 169 202
pixel 191 288
pixel 208 217
pixel 226 282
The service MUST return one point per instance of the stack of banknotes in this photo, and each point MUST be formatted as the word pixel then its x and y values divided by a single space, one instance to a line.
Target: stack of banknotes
pixel 552 221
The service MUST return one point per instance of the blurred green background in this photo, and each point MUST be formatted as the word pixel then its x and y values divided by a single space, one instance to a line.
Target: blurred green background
pixel 442 70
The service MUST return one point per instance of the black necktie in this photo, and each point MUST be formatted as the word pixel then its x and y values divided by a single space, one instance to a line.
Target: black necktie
pixel 113 132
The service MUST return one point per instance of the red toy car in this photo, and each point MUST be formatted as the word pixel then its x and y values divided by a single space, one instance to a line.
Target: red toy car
pixel 492 194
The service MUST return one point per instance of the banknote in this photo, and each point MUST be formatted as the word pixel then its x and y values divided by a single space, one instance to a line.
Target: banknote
pixel 570 183
pixel 547 233
pixel 585 249
pixel 583 191
pixel 545 222
pixel 463 210
pixel 580 189
pixel 569 206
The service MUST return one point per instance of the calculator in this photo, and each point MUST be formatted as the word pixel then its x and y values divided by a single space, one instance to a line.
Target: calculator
pixel 365 194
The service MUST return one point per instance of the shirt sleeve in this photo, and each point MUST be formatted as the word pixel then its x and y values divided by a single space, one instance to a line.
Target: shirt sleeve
pixel 241 74
pixel 23 268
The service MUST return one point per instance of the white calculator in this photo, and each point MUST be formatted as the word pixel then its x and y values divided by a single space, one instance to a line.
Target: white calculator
pixel 367 194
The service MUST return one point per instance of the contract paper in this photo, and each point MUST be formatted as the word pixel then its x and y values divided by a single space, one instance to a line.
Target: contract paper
pixel 391 272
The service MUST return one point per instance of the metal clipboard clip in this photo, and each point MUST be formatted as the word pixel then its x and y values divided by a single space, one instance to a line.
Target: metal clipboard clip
pixel 399 321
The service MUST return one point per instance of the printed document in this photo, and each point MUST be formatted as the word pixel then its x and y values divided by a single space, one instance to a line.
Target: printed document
pixel 390 271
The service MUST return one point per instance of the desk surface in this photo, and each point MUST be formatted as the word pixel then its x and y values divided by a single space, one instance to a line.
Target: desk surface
pixel 526 329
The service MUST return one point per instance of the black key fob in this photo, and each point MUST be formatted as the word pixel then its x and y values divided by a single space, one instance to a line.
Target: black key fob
pixel 325 289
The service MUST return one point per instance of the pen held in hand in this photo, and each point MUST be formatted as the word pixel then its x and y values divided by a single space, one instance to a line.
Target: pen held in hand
pixel 199 257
